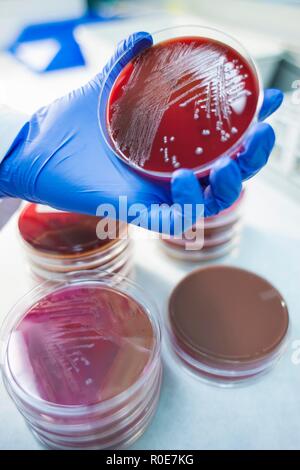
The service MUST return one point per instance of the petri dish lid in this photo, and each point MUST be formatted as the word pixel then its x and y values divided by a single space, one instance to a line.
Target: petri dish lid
pixel 225 316
pixel 58 233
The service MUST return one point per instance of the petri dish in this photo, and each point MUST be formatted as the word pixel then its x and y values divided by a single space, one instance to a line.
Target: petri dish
pixel 226 324
pixel 183 103
pixel 57 243
pixel 117 265
pixel 57 233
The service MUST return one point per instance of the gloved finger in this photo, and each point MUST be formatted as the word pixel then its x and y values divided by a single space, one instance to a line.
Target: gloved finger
pixel 124 53
pixel 224 188
pixel 187 194
pixel 272 100
pixel 127 50
pixel 257 149
pixel 186 208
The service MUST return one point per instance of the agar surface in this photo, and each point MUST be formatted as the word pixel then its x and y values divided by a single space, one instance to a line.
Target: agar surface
pixel 185 74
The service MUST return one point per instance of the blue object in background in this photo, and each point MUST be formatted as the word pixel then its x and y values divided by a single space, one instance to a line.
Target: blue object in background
pixel 69 53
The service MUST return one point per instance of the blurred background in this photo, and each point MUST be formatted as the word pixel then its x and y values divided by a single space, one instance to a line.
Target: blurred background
pixel 50 47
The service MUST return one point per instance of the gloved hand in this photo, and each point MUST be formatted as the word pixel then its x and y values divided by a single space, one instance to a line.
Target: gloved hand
pixel 59 158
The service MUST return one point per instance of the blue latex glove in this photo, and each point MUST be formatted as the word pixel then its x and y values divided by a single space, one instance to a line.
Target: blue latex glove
pixel 59 158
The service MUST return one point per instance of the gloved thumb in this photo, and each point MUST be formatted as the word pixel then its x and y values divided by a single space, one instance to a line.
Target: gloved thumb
pixel 124 53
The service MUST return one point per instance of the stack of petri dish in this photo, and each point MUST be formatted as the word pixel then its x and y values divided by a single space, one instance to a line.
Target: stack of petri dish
pixel 57 243
pixel 218 235
pixel 82 361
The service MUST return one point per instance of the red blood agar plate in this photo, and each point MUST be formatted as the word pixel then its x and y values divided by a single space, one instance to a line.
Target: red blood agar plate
pixel 182 103
pixel 57 243
pixel 82 361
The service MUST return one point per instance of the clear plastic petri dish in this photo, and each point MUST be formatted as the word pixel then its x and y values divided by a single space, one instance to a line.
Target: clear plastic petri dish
pixel 81 359
pixel 62 242
pixel 84 262
pixel 184 102
pixel 226 325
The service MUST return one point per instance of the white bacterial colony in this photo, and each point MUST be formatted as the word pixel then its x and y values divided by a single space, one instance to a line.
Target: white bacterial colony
pixel 210 82
pixel 165 150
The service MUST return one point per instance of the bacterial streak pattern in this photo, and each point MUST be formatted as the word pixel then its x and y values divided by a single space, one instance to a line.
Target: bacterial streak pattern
pixel 210 82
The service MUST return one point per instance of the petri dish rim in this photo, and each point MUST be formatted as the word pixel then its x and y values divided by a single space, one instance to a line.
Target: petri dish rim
pixel 19 310
pixel 160 36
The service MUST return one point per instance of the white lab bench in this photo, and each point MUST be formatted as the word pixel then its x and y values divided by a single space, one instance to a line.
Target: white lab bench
pixel 263 414
pixel 191 414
